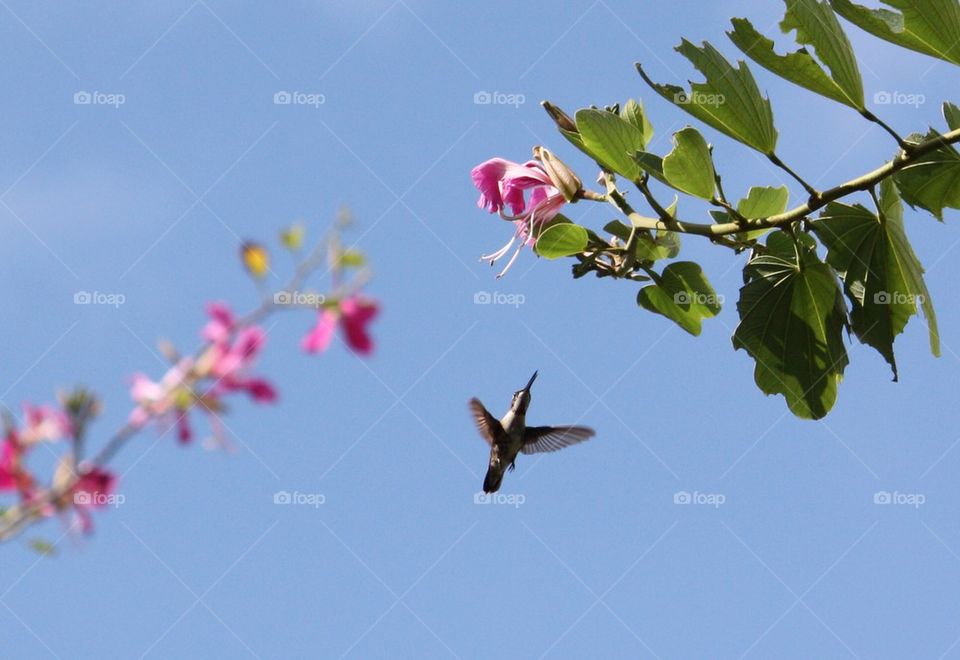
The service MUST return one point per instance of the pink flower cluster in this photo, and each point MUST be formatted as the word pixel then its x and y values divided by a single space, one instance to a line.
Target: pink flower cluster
pixel 48 424
pixel 222 368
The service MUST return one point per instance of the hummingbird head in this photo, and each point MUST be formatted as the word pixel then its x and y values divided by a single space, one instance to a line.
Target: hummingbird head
pixel 521 398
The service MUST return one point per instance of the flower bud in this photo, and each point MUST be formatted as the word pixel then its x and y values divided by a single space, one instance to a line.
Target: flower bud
pixel 562 176
pixel 561 118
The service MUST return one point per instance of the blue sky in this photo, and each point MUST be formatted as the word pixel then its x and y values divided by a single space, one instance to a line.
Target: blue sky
pixel 150 200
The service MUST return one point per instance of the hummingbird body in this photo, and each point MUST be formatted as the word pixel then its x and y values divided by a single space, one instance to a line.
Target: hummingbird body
pixel 510 435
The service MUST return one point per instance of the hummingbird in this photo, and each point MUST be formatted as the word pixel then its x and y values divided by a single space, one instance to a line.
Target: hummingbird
pixel 510 435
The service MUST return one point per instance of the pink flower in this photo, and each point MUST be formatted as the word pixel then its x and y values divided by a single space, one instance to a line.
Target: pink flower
pixel 44 424
pixel 161 400
pixel 503 183
pixel 91 492
pixel 353 314
pixel 230 364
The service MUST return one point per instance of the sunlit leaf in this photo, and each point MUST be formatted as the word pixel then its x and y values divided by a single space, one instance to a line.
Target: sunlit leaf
pixel 689 167
pixel 728 100
pixel 633 112
pixel 562 239
pixel 792 317
pixel 762 202
pixel 816 26
pixel 931 27
pixel 611 140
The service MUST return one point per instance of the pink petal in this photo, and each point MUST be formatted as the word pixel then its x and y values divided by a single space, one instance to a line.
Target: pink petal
pixel 486 177
pixel 8 456
pixel 249 342
pixel 259 390
pixel 357 313
pixel 318 339
pixel 220 324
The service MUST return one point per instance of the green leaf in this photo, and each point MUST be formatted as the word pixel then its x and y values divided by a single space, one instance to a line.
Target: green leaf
pixel 792 318
pixel 292 237
pixel 933 181
pixel 683 295
pixel 633 112
pixel 649 247
pixel 689 167
pixel 762 202
pixel 952 114
pixel 931 27
pixel 882 277
pixel 728 100
pixel 652 164
pixel 352 259
pixel 816 25
pixel 561 239
pixel 610 140
pixel 42 547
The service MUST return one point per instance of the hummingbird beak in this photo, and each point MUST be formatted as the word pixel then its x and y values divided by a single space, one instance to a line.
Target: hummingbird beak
pixel 532 378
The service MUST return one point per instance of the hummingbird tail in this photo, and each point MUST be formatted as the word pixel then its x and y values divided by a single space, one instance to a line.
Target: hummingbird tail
pixel 491 484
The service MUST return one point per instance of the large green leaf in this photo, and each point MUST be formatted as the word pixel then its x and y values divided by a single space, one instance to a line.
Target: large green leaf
pixel 728 100
pixel 933 181
pixel 562 239
pixel 881 274
pixel 816 25
pixel 792 318
pixel 689 167
pixel 611 140
pixel 931 27
pixel 683 295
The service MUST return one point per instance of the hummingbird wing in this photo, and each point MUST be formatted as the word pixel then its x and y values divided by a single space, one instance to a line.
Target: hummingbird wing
pixel 488 425
pixel 539 439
